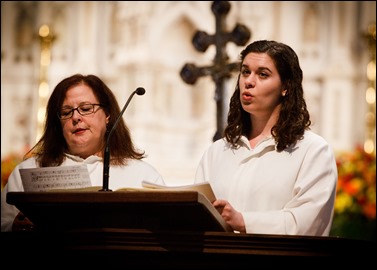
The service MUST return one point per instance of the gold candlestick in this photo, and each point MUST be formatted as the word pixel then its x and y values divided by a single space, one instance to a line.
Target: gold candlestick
pixel 370 93
pixel 46 38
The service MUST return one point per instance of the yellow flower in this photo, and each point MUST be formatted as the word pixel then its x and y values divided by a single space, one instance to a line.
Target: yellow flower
pixel 342 202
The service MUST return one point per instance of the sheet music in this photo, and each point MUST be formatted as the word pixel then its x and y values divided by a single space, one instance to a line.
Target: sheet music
pixel 47 178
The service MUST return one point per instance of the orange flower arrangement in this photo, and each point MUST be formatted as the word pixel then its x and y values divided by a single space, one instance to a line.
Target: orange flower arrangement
pixel 356 190
pixel 7 165
pixel 356 193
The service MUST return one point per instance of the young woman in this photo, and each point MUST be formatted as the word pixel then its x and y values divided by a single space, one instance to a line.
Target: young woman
pixel 270 173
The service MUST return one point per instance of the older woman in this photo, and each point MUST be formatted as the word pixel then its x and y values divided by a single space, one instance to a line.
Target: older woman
pixel 80 112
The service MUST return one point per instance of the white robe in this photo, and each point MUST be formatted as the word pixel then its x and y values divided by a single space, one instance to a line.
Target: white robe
pixel 291 192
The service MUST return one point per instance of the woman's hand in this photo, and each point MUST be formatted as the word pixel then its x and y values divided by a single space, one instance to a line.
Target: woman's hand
pixel 232 217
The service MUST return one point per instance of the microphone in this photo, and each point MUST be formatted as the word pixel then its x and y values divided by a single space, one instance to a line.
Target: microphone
pixel 106 160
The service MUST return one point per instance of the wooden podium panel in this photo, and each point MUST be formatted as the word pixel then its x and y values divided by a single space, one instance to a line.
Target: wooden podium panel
pixel 152 210
pixel 139 248
pixel 161 230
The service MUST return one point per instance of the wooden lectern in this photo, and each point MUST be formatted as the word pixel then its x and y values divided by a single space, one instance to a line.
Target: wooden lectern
pixel 155 210
pixel 158 229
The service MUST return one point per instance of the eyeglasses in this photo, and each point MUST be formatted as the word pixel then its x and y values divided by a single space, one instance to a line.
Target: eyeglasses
pixel 83 110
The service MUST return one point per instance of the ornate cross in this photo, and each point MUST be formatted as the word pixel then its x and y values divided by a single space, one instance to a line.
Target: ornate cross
pixel 221 69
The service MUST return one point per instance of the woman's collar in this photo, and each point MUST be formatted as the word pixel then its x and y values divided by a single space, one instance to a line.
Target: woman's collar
pixel 89 160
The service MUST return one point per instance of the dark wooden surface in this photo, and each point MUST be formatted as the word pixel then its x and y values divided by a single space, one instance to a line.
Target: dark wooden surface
pixel 107 240
pixel 155 209
pixel 137 248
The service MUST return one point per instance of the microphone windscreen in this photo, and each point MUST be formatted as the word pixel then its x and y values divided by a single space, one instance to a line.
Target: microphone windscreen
pixel 140 91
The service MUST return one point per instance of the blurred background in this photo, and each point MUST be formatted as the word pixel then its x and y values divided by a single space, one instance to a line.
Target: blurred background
pixel 132 44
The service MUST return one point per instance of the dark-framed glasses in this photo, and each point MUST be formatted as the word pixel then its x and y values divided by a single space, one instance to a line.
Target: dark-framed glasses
pixel 84 109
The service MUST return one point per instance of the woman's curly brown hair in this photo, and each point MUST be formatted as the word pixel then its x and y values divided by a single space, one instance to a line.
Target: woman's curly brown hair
pixel 294 117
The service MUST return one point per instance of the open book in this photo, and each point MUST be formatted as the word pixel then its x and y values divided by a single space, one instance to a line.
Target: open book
pixel 204 188
pixel 76 178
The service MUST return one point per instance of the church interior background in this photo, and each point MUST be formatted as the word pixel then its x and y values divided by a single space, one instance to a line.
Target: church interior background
pixel 141 43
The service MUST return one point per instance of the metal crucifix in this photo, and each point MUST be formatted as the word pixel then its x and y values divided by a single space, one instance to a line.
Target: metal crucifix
pixel 221 69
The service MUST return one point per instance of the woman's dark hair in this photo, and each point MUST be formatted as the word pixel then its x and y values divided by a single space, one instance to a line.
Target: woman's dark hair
pixel 294 117
pixel 51 148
